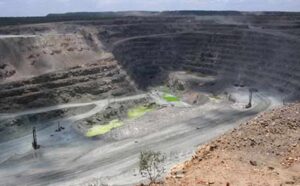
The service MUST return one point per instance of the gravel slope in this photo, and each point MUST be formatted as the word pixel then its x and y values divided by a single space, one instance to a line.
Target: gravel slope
pixel 263 151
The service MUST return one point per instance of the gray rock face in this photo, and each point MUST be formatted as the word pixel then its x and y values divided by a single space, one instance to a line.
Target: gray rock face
pixel 253 58
pixel 96 82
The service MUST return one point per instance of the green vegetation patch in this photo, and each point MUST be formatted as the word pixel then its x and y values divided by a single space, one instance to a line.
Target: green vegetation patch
pixel 139 111
pixel 103 129
pixel 170 97
pixel 215 98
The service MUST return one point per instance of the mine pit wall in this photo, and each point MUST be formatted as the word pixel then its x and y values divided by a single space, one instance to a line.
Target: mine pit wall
pixel 89 60
pixel 111 34
pixel 81 84
pixel 35 55
pixel 47 70
pixel 259 60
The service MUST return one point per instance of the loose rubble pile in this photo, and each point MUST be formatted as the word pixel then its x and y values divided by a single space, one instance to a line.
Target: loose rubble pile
pixel 263 151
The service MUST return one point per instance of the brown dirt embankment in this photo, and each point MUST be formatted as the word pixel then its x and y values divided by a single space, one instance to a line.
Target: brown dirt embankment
pixel 263 151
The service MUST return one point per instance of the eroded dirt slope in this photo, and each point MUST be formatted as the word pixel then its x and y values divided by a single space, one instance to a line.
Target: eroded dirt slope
pixel 263 151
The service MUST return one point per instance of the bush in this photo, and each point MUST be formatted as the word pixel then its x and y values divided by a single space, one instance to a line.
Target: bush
pixel 151 165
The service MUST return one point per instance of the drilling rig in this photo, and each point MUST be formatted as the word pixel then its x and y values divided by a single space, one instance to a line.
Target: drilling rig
pixel 35 146
pixel 251 90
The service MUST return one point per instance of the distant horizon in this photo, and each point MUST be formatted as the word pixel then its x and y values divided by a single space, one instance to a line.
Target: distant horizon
pixel 150 11
pixel 37 8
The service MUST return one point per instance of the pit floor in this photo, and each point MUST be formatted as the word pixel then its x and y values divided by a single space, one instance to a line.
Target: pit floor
pixel 69 158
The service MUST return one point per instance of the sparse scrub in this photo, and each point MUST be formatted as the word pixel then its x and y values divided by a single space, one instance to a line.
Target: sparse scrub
pixel 151 165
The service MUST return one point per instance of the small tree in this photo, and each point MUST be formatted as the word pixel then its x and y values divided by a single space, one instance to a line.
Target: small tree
pixel 151 165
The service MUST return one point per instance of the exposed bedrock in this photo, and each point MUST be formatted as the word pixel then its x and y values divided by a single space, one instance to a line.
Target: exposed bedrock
pixel 44 70
pixel 92 82
pixel 266 61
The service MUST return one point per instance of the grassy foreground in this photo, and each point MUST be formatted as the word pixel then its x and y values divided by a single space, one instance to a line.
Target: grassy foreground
pixel 102 129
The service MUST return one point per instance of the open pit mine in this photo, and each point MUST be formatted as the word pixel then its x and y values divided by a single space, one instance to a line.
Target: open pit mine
pixel 81 96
